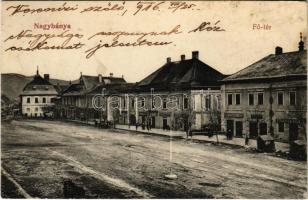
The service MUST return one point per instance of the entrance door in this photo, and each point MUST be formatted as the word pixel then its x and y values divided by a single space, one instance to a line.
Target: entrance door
pixel 253 129
pixel 132 119
pixel 153 122
pixel 230 126
pixel 239 128
pixel 165 123
pixel 293 131
pixel 263 128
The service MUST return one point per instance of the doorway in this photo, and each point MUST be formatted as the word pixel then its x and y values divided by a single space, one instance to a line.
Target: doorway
pixel 165 123
pixel 263 128
pixel 293 131
pixel 153 122
pixel 253 129
pixel 239 128
pixel 230 126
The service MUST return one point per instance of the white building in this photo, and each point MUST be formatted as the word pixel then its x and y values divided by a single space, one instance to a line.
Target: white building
pixel 38 97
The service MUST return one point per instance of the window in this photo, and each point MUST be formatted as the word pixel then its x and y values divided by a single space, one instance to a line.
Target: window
pixel 152 103
pixel 208 102
pixel 280 127
pixel 280 98
pixel 36 109
pixel 165 103
pixel 124 103
pixel 260 98
pixel 36 100
pixel 133 103
pixel 28 100
pixel 229 99
pixel 251 99
pixel 237 99
pixel 142 102
pixel 44 100
pixel 28 109
pixel 185 102
pixel 292 98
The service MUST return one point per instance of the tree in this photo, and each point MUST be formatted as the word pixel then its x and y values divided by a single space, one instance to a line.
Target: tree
pixel 215 121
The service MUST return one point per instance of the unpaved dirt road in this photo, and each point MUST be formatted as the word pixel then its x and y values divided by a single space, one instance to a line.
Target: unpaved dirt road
pixel 51 159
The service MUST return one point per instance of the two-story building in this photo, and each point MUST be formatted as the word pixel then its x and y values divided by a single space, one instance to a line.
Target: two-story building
pixel 181 92
pixel 38 97
pixel 268 97
pixel 76 101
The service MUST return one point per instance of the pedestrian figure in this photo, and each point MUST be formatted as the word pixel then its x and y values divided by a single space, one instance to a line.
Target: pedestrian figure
pixel 143 126
pixel 246 140
pixel 229 133
pixel 137 126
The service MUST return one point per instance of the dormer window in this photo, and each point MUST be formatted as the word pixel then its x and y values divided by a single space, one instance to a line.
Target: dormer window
pixel 34 87
pixel 107 81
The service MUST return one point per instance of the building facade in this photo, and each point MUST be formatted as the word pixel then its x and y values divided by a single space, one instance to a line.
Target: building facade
pixel 179 94
pixel 76 101
pixel 268 97
pixel 38 96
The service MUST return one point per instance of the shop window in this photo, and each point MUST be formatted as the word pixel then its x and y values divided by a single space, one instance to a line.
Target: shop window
pixel 280 127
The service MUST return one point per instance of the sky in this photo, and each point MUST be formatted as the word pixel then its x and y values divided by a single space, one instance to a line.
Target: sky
pixel 227 51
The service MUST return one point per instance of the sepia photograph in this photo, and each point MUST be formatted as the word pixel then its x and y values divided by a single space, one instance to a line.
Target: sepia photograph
pixel 153 99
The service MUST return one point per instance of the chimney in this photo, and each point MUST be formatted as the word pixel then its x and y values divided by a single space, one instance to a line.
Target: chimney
pixel 301 43
pixel 100 78
pixel 46 77
pixel 111 74
pixel 183 57
pixel 168 60
pixel 278 50
pixel 195 54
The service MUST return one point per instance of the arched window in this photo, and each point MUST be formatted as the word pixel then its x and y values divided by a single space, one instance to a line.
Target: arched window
pixel 36 100
pixel 44 100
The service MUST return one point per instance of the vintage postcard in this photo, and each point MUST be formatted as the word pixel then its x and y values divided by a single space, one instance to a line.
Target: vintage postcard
pixel 154 99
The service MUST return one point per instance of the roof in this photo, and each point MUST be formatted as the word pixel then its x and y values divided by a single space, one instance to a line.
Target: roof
pixel 88 83
pixel 74 89
pixel 191 73
pixel 61 88
pixel 112 88
pixel 91 81
pixel 39 86
pixel 290 64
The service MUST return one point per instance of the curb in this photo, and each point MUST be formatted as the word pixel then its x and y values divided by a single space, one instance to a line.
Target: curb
pixel 181 137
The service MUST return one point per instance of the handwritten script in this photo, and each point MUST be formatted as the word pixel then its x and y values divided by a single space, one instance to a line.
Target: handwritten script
pixel 60 36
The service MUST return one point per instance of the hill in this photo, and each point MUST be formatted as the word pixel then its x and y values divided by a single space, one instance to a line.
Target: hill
pixel 13 84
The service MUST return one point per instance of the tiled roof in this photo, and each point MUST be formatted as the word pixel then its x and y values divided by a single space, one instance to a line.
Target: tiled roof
pixel 91 81
pixel 112 88
pixel 39 86
pixel 185 73
pixel 74 89
pixel 88 83
pixel 274 66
